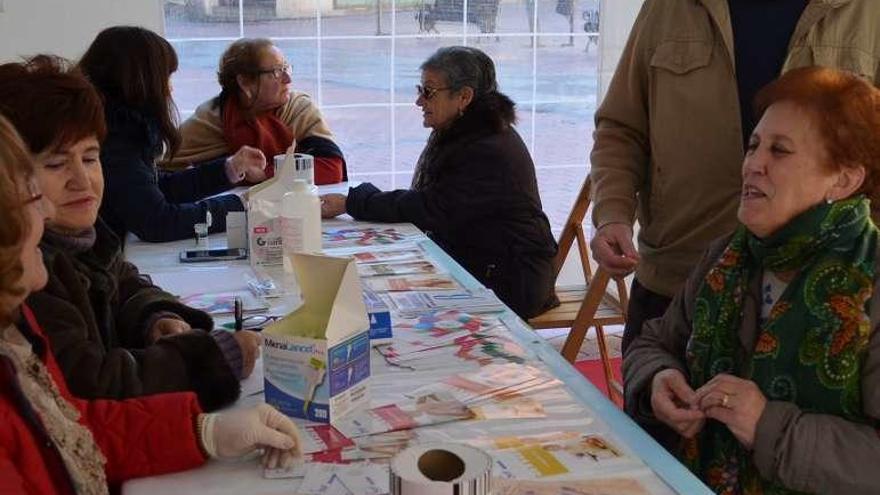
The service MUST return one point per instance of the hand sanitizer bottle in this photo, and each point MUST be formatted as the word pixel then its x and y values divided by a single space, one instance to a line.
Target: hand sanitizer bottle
pixel 300 221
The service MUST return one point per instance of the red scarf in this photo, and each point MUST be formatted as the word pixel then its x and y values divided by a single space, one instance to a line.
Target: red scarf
pixel 265 132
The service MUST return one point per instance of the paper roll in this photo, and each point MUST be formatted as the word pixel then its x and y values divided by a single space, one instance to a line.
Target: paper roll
pixel 441 469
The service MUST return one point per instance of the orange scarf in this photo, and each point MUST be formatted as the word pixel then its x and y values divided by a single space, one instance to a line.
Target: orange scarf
pixel 265 132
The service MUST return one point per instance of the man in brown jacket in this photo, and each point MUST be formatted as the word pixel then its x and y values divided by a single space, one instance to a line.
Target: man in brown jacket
pixel 670 132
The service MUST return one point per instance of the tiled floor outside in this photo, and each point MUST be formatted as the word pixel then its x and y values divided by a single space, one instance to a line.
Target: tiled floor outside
pixel 589 350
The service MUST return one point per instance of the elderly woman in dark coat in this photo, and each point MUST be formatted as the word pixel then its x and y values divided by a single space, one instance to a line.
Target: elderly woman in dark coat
pixel 767 364
pixel 113 332
pixel 474 189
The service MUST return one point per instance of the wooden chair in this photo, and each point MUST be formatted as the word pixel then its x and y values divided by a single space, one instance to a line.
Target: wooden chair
pixel 589 305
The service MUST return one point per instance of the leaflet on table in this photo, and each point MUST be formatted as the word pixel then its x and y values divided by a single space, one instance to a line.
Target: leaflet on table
pixel 218 303
pixel 404 268
pixel 411 282
pixel 510 409
pixel 484 348
pixel 606 486
pixel 361 235
pixel 376 448
pixel 320 438
pixel 323 443
pixel 555 454
pixel 480 300
pixel 436 329
pixel 389 256
pixel 433 338
pixel 337 479
pixel 423 410
pixel 495 382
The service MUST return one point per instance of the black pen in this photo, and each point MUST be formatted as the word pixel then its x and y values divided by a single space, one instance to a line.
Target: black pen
pixel 239 310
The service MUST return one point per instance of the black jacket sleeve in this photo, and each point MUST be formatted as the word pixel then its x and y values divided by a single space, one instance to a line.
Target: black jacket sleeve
pixel 159 208
pixel 96 368
pixel 470 188
pixel 196 182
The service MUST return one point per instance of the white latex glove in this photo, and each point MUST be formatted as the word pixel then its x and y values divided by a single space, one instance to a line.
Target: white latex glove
pixel 232 434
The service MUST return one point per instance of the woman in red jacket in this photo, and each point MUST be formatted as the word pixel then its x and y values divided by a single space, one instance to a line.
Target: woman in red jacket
pixel 51 442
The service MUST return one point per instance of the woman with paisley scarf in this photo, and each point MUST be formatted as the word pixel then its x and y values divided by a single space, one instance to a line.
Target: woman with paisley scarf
pixel 767 364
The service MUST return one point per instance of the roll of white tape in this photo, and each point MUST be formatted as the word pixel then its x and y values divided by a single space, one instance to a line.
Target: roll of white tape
pixel 441 469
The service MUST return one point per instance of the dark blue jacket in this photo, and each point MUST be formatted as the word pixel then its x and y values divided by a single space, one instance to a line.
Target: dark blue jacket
pixel 156 205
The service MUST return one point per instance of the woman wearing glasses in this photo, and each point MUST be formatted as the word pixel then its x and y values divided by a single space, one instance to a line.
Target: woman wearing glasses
pixel 131 67
pixel 256 108
pixel 474 189
pixel 52 442
pixel 114 333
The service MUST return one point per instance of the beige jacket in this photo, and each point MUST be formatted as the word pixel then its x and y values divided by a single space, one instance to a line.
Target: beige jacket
pixel 668 140
pixel 202 133
pixel 815 453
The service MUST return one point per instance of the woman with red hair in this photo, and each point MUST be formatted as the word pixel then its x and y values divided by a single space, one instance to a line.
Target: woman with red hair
pixel 114 333
pixel 767 364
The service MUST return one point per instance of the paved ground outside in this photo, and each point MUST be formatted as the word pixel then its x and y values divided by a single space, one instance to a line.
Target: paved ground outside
pixel 365 83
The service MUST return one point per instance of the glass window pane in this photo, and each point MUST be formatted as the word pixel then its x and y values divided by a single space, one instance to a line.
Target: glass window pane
pixel 402 180
pixel 566 73
pixel 280 18
pixel 356 71
pixel 303 58
pixel 410 137
pixel 196 78
pixel 357 18
pixel 201 19
pixel 430 17
pixel 559 188
pixel 516 17
pixel 567 16
pixel 383 180
pixel 364 135
pixel 408 56
pixel 563 134
pixel 513 66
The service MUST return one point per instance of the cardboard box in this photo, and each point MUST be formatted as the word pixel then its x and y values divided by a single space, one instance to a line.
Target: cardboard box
pixel 316 360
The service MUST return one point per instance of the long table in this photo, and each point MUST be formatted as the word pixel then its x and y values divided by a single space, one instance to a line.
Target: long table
pixel 575 405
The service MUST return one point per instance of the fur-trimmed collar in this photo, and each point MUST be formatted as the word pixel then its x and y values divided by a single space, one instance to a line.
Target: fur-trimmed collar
pixel 492 113
pixel 489 114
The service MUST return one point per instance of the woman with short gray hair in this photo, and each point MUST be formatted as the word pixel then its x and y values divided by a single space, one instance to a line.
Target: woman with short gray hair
pixel 474 190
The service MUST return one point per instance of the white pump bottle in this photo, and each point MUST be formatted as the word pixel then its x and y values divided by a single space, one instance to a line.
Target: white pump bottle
pixel 300 221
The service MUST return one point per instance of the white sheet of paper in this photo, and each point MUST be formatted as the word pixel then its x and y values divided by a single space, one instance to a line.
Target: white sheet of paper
pixel 345 479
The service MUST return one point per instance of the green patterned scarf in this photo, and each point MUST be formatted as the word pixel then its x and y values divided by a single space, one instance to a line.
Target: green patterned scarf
pixel 811 348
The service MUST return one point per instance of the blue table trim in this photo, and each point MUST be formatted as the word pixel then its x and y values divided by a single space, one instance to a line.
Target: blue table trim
pixel 666 466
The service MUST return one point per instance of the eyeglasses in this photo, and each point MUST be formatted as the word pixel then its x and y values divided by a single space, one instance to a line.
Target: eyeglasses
pixel 277 72
pixel 427 92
